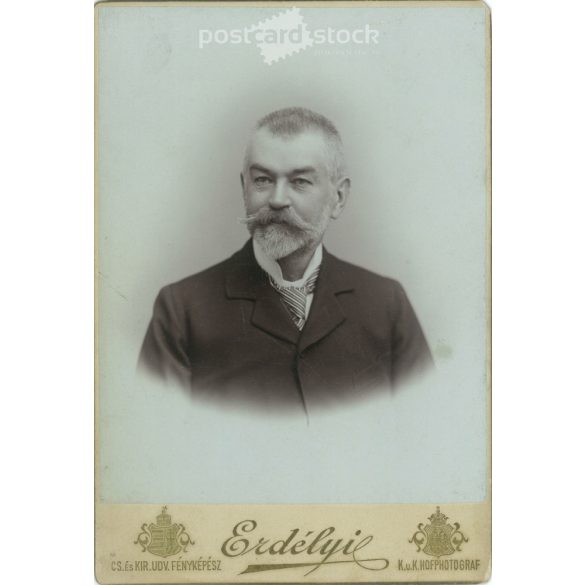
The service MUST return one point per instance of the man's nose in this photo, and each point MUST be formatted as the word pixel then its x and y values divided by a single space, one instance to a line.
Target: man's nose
pixel 279 198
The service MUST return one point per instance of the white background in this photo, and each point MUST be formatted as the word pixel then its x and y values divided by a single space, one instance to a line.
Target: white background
pixel 47 250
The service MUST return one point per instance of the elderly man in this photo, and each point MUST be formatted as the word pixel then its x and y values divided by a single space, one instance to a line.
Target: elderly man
pixel 283 323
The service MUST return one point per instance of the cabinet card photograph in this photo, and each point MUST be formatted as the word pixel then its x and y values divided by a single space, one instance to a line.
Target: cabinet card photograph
pixel 293 374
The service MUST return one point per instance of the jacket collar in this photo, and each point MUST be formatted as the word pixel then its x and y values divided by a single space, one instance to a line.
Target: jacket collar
pixel 246 280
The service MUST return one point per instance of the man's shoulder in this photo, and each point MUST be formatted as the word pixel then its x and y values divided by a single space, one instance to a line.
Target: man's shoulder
pixel 211 281
pixel 360 276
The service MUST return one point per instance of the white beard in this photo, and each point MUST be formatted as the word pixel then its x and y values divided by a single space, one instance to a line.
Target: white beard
pixel 278 242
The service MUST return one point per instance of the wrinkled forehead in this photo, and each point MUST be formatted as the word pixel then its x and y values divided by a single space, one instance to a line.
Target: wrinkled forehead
pixel 283 154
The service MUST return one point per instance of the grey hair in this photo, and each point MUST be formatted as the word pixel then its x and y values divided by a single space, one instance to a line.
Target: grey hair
pixel 290 122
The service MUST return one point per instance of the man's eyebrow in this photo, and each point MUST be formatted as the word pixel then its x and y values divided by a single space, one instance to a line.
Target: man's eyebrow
pixel 299 171
pixel 303 170
pixel 257 167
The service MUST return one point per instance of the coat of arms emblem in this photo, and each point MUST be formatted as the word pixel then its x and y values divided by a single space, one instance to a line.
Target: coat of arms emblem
pixel 163 539
pixel 438 538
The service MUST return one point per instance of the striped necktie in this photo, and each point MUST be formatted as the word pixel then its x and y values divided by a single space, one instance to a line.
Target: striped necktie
pixel 295 298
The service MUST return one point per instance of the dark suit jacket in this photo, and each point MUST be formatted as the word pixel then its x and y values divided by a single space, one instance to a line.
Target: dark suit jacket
pixel 225 333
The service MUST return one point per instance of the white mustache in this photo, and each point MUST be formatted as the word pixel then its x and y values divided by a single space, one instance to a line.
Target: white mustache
pixel 248 219
pixel 268 216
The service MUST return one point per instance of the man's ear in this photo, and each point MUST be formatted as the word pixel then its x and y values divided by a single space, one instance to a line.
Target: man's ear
pixel 242 181
pixel 342 189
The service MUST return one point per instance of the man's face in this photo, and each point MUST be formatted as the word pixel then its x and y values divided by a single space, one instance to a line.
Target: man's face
pixel 288 191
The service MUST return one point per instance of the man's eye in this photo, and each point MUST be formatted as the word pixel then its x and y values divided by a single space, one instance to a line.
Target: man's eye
pixel 301 182
pixel 262 181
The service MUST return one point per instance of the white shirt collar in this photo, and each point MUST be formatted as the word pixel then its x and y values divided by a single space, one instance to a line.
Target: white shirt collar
pixel 272 267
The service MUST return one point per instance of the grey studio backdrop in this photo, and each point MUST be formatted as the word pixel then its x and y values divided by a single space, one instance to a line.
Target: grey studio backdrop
pixel 173 120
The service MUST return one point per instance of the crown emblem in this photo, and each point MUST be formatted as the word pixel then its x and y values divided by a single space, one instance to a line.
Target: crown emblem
pixel 438 519
pixel 163 519
pixel 438 538
pixel 163 539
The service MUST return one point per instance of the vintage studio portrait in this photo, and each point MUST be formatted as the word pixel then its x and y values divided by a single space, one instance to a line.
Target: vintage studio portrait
pixel 293 253
pixel 283 322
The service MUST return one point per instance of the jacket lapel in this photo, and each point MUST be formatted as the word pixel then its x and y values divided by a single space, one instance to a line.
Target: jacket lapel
pixel 326 312
pixel 246 280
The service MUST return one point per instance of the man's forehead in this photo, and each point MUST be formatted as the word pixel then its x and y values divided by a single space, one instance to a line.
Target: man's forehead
pixel 306 149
